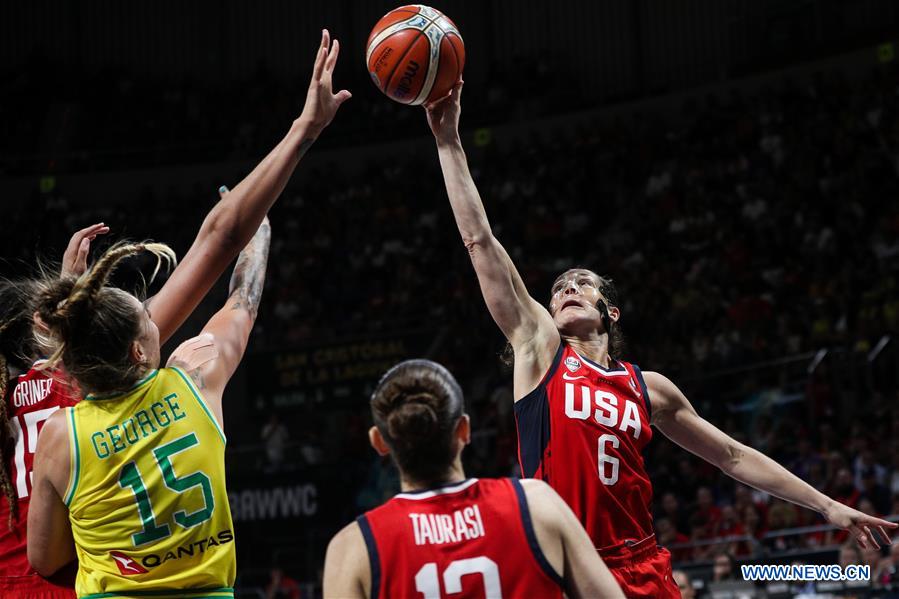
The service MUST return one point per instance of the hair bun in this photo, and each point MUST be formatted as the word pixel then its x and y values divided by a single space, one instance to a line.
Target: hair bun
pixel 412 421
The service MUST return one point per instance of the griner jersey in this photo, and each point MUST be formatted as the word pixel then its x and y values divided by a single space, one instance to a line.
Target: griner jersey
pixel 146 496
pixel 31 400
pixel 468 539
pixel 583 431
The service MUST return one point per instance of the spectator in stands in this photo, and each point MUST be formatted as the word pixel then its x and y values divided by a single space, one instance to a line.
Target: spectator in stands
pixel 706 508
pixel 887 573
pixel 281 586
pixel 850 555
pixel 724 568
pixel 684 584
pixel 667 535
pixel 874 492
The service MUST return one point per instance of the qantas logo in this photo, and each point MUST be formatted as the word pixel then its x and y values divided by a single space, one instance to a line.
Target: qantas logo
pixel 567 377
pixel 572 363
pixel 127 566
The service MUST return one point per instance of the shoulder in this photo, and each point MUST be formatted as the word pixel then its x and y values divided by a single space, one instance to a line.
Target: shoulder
pixel 348 539
pixel 347 555
pixel 664 395
pixel 542 500
pixel 56 428
pixel 194 353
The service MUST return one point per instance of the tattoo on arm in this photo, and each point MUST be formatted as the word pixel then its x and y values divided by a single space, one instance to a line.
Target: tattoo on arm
pixel 304 146
pixel 247 281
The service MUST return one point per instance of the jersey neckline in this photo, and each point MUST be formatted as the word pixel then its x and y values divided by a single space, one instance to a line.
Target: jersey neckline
pixel 152 374
pixel 444 489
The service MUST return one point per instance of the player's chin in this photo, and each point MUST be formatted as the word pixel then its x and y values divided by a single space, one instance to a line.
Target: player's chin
pixel 574 323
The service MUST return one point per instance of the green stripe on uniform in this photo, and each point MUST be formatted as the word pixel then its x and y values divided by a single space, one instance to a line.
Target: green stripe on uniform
pixel 73 435
pixel 201 401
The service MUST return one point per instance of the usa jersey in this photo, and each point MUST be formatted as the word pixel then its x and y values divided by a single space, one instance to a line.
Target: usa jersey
pixel 583 431
pixel 30 401
pixel 468 539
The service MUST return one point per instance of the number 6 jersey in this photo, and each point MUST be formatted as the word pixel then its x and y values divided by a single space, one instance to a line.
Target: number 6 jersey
pixel 146 495
pixel 469 539
pixel 583 431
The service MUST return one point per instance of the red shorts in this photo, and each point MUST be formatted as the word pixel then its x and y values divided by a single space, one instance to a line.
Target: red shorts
pixel 642 570
pixel 33 587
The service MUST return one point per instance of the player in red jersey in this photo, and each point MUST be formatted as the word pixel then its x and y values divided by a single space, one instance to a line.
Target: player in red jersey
pixel 584 415
pixel 32 394
pixel 447 535
pixel 28 396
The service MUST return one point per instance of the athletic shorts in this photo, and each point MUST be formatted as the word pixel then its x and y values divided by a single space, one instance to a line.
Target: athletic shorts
pixel 643 570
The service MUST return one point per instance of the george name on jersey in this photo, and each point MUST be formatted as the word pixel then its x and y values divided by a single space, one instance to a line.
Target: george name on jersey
pixel 28 393
pixel 603 407
pixel 439 529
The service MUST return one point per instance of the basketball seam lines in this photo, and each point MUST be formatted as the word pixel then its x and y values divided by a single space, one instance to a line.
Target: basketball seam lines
pixel 409 47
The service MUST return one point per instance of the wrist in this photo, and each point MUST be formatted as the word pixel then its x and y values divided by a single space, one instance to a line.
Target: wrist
pixel 305 128
pixel 449 141
pixel 826 507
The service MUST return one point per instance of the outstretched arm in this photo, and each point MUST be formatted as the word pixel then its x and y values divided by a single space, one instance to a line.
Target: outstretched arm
pixel 674 416
pixel 525 323
pixel 211 358
pixel 231 223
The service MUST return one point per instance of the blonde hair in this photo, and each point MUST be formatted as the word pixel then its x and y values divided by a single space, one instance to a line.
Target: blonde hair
pixel 90 325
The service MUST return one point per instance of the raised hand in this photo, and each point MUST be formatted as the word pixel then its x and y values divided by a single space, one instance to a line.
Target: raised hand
pixel 74 260
pixel 321 101
pixel 443 115
pixel 860 525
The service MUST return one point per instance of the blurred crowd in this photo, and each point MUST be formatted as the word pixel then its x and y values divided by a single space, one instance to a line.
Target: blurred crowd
pixel 748 227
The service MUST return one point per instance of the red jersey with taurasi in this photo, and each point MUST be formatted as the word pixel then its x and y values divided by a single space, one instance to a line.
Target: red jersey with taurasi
pixel 469 539
pixel 583 431
pixel 32 398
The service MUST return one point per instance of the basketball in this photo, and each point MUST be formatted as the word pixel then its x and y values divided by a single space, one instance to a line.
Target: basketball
pixel 415 54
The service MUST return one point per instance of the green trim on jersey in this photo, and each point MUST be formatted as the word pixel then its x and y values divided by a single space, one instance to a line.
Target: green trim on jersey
pixel 190 385
pixel 76 468
pixel 136 385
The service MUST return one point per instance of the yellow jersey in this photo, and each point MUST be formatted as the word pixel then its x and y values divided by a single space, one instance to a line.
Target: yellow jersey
pixel 146 494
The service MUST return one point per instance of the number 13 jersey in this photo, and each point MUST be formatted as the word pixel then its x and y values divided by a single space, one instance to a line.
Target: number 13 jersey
pixel 473 538
pixel 583 431
pixel 146 496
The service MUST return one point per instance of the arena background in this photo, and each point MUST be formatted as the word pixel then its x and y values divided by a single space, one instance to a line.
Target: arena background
pixel 732 164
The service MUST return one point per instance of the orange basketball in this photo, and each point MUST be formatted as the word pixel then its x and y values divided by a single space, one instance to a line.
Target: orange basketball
pixel 415 54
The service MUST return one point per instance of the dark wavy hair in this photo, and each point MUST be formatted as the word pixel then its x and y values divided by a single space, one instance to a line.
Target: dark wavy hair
pixel 416 407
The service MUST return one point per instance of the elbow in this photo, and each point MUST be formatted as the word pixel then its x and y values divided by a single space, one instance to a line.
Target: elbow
pixel 732 458
pixel 224 232
pixel 42 563
pixel 477 242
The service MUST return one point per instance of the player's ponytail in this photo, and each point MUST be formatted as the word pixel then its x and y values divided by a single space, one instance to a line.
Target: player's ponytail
pixel 91 326
pixel 616 337
pixel 416 407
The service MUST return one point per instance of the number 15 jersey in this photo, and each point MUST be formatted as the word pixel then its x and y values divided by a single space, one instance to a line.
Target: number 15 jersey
pixel 146 496
pixel 583 431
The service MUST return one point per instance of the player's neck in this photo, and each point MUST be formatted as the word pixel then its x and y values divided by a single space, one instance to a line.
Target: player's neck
pixel 454 475
pixel 595 349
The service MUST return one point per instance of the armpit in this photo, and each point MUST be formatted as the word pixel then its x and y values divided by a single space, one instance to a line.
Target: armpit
pixel 194 353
